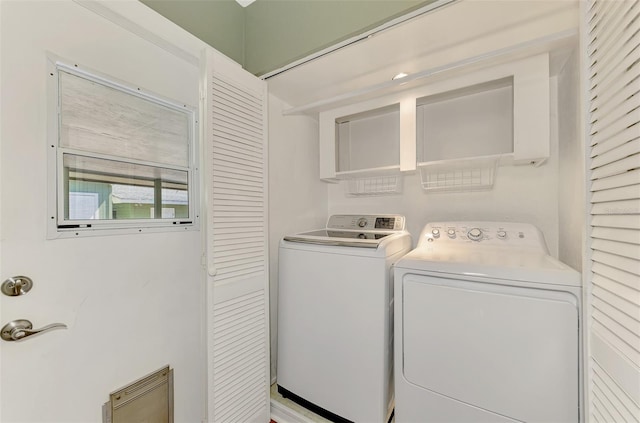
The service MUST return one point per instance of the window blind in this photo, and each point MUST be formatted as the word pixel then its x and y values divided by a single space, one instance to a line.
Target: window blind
pixel 613 53
pixel 99 118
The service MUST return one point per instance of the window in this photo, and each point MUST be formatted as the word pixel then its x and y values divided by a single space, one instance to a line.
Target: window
pixel 122 158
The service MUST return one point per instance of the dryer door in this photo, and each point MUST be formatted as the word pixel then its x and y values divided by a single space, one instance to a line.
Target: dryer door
pixel 508 350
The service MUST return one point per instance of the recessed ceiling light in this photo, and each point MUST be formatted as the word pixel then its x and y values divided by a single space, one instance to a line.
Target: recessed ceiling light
pixel 245 3
pixel 400 76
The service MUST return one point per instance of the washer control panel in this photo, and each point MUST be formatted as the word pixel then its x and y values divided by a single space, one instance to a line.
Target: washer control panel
pixel 481 233
pixel 367 222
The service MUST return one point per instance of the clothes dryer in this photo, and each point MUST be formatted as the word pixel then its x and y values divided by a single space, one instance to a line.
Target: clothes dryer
pixel 335 311
pixel 487 327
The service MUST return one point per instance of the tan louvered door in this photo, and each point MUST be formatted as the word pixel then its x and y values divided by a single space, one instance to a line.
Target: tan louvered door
pixel 237 256
pixel 613 37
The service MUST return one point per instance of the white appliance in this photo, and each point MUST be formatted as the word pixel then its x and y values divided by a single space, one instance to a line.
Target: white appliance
pixel 335 311
pixel 487 327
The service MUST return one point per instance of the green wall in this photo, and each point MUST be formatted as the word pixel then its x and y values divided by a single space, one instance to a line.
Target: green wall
pixel 269 34
pixel 278 32
pixel 219 23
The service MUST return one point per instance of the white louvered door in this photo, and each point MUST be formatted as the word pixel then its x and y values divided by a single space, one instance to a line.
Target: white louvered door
pixel 237 256
pixel 613 37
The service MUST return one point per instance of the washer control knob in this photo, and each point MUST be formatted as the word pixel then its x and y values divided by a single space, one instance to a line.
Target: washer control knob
pixel 362 222
pixel 451 233
pixel 436 233
pixel 502 234
pixel 475 234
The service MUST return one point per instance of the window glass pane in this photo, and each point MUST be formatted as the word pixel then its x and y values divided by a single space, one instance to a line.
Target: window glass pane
pixel 113 190
pixel 176 200
pixel 100 119
pixel 84 205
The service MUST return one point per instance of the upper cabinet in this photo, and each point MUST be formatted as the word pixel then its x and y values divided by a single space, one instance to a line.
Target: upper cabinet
pixel 476 120
pixel 368 141
pixel 361 141
pixel 473 121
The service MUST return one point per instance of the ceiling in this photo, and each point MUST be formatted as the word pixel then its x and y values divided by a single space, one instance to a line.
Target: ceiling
pixel 431 45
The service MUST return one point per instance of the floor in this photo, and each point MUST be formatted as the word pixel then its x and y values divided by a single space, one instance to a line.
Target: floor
pixel 295 407
pixel 308 415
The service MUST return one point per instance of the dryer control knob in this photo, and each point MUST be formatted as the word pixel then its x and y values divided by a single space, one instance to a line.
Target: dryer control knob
pixel 475 234
pixel 502 234
pixel 362 222
pixel 436 233
pixel 451 233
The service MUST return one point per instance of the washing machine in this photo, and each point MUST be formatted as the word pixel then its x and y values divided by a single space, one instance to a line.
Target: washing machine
pixel 487 328
pixel 335 311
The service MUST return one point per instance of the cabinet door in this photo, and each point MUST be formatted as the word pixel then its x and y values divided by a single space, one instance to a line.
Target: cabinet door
pixel 236 242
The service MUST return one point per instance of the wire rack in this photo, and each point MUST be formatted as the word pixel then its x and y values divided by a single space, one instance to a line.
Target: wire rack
pixel 375 185
pixel 464 175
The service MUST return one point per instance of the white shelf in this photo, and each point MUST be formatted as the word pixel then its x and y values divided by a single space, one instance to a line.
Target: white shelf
pixel 367 173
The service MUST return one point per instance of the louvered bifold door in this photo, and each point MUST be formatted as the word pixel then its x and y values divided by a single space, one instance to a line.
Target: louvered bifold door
pixel 613 36
pixel 237 256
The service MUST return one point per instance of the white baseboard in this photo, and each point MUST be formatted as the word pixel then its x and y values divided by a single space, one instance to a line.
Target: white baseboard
pixel 283 414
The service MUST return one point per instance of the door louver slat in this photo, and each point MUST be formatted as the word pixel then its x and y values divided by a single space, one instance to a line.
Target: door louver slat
pixel 615 295
pixel 614 73
pixel 609 271
pixel 617 93
pixel 238 366
pixel 617 167
pixel 626 135
pixel 619 19
pixel 616 194
pixel 631 177
pixel 613 394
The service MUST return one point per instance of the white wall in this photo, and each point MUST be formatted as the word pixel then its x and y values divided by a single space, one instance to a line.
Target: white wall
pixel 520 194
pixel 297 198
pixel 550 196
pixel 133 303
pixel 571 194
pixel 544 196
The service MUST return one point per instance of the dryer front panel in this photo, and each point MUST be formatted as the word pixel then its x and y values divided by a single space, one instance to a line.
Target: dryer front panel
pixel 511 351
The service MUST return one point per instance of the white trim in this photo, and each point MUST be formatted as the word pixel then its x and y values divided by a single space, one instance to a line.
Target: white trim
pixel 361 37
pixel 283 414
pixel 539 45
pixel 587 285
pixel 142 21
pixel 111 82
pixel 204 176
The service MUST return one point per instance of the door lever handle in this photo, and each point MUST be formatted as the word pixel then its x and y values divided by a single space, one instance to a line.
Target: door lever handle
pixel 21 328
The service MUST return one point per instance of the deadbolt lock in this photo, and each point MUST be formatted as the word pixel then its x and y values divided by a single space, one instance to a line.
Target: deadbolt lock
pixel 16 285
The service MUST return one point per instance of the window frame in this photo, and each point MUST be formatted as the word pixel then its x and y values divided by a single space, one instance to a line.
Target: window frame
pixel 60 227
